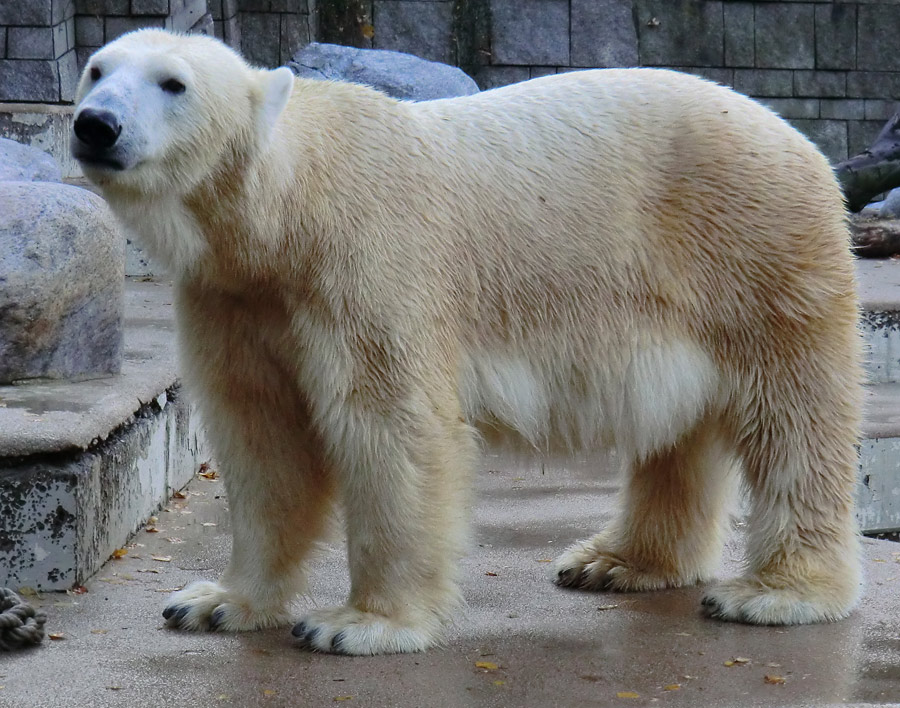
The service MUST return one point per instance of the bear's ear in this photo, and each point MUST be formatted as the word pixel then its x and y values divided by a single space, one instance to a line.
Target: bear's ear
pixel 276 91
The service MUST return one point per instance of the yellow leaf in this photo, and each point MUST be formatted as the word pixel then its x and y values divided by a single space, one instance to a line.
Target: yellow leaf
pixel 544 560
pixel 268 692
pixel 99 631
pixel 604 608
pixel 368 31
pixel 628 694
pixel 499 683
pixel 343 698
pixel 771 678
pixel 120 553
pixel 672 687
pixel 56 635
pixel 728 663
pixel 162 559
pixel 486 665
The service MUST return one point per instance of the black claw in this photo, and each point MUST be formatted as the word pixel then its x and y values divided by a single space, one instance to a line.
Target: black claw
pixel 337 643
pixel 571 578
pixel 215 619
pixel 299 629
pixel 182 611
pixel 169 611
pixel 708 601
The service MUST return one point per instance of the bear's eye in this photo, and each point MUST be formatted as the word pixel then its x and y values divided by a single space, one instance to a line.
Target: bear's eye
pixel 173 86
pixel 95 73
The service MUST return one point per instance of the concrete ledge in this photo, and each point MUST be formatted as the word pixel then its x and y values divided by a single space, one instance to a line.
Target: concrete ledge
pixel 43 125
pixel 83 464
pixel 63 515
pixel 55 416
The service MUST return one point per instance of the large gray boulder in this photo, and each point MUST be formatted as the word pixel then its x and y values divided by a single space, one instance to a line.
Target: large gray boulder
pixel 397 74
pixel 27 164
pixel 62 266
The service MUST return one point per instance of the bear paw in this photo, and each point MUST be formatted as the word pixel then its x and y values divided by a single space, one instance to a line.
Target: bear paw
pixel 208 606
pixel 583 567
pixel 754 601
pixel 346 630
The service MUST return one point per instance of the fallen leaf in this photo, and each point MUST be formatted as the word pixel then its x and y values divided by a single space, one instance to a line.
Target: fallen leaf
pixel 486 665
pixel 99 631
pixel 26 591
pixel 208 523
pixel 120 553
pixel 368 31
pixel 148 570
pixel 683 634
pixel 208 473
pixel 773 665
pixel 499 683
pixel 113 688
pixel 343 698
pixel 162 559
pixel 672 687
pixel 737 661
pixel 77 590
pixel 56 636
pixel 151 529
pixel 603 608
pixel 268 692
pixel 544 560
pixel 179 495
pixel 628 694
pixel 771 678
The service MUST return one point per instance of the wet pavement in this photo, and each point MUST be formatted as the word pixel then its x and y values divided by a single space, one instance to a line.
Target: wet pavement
pixel 520 642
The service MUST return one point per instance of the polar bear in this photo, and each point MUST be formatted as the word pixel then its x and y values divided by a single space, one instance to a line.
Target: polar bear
pixel 634 257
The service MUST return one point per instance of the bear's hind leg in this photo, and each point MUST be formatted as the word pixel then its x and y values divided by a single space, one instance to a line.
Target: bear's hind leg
pixel 672 527
pixel 803 546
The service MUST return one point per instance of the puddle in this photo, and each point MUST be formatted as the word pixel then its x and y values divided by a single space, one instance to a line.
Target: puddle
pixel 51 406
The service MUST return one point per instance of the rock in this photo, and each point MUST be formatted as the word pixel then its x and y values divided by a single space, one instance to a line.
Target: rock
pixel 61 283
pixel 890 207
pixel 27 164
pixel 397 74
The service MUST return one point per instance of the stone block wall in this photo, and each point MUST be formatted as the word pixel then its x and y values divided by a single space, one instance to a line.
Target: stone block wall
pixel 100 21
pixel 37 50
pixel 271 31
pixel 831 68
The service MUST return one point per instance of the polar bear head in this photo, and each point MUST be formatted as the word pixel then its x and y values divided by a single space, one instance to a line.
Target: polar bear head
pixel 157 112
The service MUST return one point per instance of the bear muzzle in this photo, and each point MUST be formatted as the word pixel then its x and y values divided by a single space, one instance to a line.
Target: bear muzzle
pixel 97 131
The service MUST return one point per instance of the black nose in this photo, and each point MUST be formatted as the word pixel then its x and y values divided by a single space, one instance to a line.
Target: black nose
pixel 97 129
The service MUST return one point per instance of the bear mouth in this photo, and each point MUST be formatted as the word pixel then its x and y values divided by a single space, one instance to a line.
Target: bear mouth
pixel 101 161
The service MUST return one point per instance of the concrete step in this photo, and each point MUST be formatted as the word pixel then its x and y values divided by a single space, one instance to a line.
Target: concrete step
pixel 879 291
pixel 83 464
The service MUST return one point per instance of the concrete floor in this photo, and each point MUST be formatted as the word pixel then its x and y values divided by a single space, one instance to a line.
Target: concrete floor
pixel 551 647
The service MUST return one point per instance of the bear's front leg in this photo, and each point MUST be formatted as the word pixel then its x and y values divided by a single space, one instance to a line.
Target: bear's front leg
pixel 280 490
pixel 404 478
